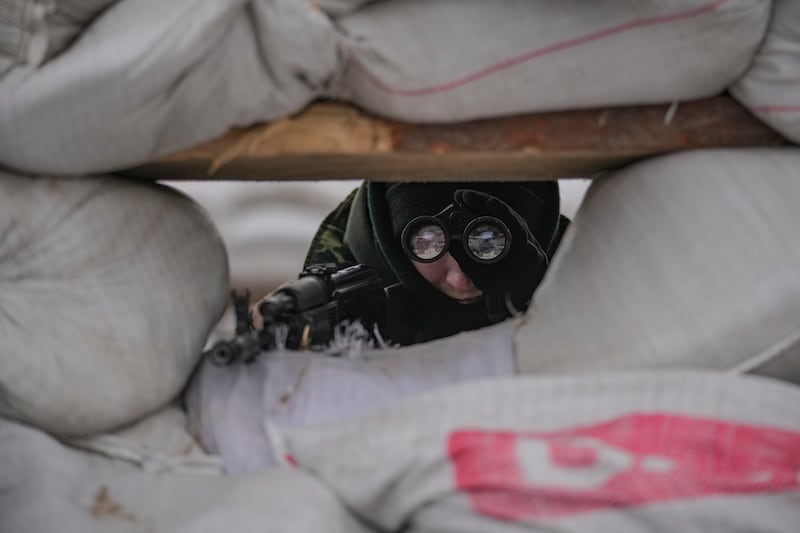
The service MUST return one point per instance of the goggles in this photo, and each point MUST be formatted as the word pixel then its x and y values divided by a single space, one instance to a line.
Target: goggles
pixel 426 239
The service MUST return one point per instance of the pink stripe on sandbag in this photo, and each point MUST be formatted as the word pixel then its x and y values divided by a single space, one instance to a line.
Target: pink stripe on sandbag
pixel 570 43
pixel 626 462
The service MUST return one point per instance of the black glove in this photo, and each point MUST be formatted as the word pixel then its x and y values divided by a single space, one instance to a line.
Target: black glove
pixel 507 285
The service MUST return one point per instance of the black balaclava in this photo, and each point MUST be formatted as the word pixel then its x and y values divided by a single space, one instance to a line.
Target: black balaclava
pixel 537 203
pixel 392 206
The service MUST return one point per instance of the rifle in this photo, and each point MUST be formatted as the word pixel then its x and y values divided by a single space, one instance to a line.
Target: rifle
pixel 305 312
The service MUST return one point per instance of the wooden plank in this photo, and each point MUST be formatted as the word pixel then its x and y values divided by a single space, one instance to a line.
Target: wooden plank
pixel 337 141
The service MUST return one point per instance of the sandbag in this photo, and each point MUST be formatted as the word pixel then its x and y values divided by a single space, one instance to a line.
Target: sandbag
pixel 48 487
pixel 455 60
pixel 232 408
pixel 108 290
pixel 689 260
pixel 163 76
pixel 657 451
pixel 771 86
pixel 34 31
pixel 168 75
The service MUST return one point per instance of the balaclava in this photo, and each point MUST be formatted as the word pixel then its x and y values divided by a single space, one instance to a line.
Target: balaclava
pixel 536 202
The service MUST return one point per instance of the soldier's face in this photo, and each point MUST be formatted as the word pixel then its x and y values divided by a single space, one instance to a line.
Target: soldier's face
pixel 447 277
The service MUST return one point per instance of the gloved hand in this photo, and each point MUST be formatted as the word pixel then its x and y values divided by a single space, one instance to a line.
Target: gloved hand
pixel 508 284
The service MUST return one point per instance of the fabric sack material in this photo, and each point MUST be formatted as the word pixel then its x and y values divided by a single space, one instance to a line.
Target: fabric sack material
pixel 542 56
pixel 162 76
pixel 46 486
pixel 191 69
pixel 771 86
pixel 34 31
pixel 688 260
pixel 108 290
pixel 644 451
pixel 232 409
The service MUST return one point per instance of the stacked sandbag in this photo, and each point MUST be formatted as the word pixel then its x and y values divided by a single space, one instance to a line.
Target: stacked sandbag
pixel 454 60
pixel 771 86
pixel 167 75
pixel 108 290
pixel 684 261
pixel 232 408
pixel 665 451
pixel 34 31
pixel 162 76
pixel 47 487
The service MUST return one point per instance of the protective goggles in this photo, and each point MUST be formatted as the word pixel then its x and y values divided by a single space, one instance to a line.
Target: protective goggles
pixel 426 239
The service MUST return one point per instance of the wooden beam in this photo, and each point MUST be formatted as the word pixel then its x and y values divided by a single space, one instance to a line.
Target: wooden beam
pixel 337 141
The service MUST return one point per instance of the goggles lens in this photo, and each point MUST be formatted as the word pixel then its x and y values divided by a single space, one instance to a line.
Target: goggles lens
pixel 427 242
pixel 486 241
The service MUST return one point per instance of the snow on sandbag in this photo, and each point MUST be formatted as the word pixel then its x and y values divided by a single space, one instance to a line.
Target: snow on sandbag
pixel 689 260
pixel 33 31
pixel 47 487
pixel 454 60
pixel 771 86
pixel 666 451
pixel 163 76
pixel 108 290
pixel 231 408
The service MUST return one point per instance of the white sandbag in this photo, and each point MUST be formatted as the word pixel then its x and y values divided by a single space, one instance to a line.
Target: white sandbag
pixel 628 452
pixel 232 409
pixel 33 31
pixel 158 442
pixel 690 260
pixel 771 86
pixel 108 290
pixel 454 60
pixel 167 75
pixel 163 76
pixel 47 487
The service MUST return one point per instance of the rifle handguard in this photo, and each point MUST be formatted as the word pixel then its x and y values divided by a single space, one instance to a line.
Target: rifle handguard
pixel 306 312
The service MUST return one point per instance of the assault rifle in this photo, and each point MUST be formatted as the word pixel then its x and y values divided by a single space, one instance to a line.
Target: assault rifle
pixel 305 313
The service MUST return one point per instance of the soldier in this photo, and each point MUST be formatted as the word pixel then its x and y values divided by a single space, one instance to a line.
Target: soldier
pixel 452 256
